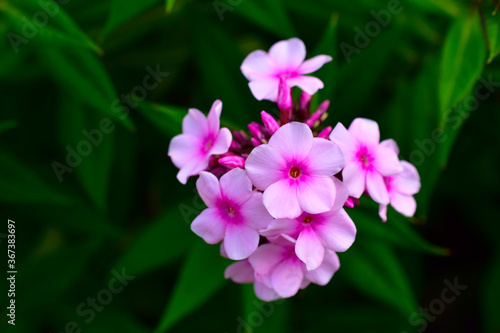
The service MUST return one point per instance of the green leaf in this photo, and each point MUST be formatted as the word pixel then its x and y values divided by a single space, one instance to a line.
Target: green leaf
pixel 275 315
pixel 80 128
pixel 68 34
pixel 462 61
pixel 490 294
pixel 169 5
pixel 148 251
pixel 38 280
pixel 86 79
pixel 493 29
pixel 200 277
pixel 373 268
pixel 168 119
pixel 327 45
pixel 7 125
pixel 122 11
pixel 397 230
pixel 22 185
pixel 269 15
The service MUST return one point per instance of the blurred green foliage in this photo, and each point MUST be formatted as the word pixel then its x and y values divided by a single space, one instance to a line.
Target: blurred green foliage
pixel 91 94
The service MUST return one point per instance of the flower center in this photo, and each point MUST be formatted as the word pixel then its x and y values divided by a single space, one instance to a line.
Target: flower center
pixel 307 219
pixel 294 172
pixel 230 210
pixel 208 145
pixel 364 160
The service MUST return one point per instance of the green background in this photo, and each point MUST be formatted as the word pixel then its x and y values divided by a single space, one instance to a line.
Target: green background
pixel 64 71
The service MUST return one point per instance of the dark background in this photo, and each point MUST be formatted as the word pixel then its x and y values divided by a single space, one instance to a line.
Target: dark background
pixel 120 209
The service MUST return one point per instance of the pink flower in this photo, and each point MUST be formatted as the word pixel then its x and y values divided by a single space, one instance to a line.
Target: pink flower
pixel 280 273
pixel 318 233
pixel 200 138
pixel 234 213
pixel 366 160
pixel 401 187
pixel 285 61
pixel 294 170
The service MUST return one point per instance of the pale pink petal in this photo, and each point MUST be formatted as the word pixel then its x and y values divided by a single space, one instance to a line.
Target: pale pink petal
pixel 213 117
pixel 240 241
pixel 375 185
pixel 354 178
pixel 365 130
pixel 391 144
pixel 336 233
pixel 325 158
pixel 316 194
pixel 235 186
pixel 221 143
pixel 346 142
pixel 264 292
pixel 287 277
pixel 195 123
pixel 208 188
pixel 408 181
pixel 265 258
pixel 257 65
pixel 386 161
pixel 193 168
pixel 283 226
pixel 281 201
pixel 183 148
pixel 293 140
pixel 305 283
pixel 382 212
pixel 405 204
pixel 264 166
pixel 265 89
pixel 288 54
pixel 324 273
pixel 313 64
pixel 254 213
pixel 309 84
pixel 309 248
pixel 240 272
pixel 209 226
pixel 341 194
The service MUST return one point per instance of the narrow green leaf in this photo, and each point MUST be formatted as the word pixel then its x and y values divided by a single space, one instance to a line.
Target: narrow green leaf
pixel 85 77
pixel 148 251
pixel 201 276
pixel 169 5
pixel 68 34
pixel 7 125
pixel 123 10
pixel 22 184
pixel 41 288
pixel 275 315
pixel 493 28
pixel 490 294
pixel 168 119
pixel 397 230
pixel 327 45
pixel 269 15
pixel 462 61
pixel 79 131
pixel 373 268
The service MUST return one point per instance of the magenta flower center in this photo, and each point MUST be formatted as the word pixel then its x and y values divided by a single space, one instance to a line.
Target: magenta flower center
pixel 307 219
pixel 209 144
pixel 294 172
pixel 365 158
pixel 229 210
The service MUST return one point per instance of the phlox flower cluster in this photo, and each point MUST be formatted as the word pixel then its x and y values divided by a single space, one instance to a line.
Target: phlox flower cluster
pixel 276 195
